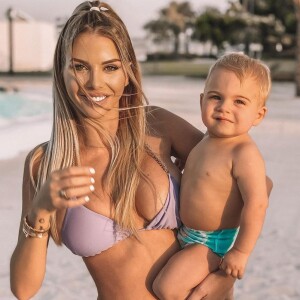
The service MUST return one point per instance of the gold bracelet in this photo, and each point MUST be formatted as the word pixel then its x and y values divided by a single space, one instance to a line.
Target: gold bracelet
pixel 33 232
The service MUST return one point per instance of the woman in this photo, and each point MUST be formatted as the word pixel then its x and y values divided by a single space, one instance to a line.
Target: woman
pixel 105 184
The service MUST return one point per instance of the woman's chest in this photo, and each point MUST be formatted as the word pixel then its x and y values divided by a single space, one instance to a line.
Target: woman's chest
pixel 152 191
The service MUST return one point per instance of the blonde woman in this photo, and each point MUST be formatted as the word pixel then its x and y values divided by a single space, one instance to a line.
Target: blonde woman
pixel 104 184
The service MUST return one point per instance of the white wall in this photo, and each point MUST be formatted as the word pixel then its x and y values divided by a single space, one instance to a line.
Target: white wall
pixel 4 58
pixel 33 46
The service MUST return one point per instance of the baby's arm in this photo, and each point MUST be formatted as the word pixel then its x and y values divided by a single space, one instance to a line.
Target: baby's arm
pixel 249 171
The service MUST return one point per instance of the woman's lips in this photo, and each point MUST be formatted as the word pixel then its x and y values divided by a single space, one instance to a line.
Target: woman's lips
pixel 94 98
pixel 98 98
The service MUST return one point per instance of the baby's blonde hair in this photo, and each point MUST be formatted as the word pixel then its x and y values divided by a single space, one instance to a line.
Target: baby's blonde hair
pixel 244 67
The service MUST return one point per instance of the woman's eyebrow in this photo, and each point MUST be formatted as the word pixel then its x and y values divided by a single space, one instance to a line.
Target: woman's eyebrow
pixel 103 63
pixel 111 61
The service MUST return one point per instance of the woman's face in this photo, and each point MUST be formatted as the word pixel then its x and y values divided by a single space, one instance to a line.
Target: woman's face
pixel 94 76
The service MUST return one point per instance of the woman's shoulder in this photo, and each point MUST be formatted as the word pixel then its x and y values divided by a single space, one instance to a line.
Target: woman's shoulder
pixel 38 150
pixel 180 134
pixel 161 118
pixel 34 157
pixel 167 121
pixel 158 113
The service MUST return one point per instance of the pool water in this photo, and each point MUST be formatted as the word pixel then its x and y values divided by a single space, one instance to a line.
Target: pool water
pixel 16 105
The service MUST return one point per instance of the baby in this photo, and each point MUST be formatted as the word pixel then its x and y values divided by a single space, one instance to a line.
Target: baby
pixel 224 197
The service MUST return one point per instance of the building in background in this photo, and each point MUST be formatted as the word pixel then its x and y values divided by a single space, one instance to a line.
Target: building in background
pixel 26 44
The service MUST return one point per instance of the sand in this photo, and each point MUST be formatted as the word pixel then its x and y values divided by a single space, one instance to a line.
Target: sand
pixel 274 268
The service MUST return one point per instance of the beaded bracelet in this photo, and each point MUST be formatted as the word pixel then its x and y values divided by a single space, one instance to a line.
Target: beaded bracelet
pixel 33 232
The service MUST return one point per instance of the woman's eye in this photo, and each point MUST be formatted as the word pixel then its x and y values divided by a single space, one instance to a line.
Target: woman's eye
pixel 111 68
pixel 80 67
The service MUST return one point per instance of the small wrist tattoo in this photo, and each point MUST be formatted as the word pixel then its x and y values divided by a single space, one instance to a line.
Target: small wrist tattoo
pixel 42 221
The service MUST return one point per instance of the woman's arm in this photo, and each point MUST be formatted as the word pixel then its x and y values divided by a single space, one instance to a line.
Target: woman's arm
pixel 181 135
pixel 28 262
pixel 216 285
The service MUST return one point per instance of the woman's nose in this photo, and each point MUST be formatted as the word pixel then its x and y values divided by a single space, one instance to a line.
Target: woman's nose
pixel 96 79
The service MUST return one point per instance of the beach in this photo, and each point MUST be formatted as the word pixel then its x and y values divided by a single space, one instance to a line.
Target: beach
pixel 273 271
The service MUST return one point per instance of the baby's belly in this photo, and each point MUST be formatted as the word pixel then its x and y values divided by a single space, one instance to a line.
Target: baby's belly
pixel 127 270
pixel 212 214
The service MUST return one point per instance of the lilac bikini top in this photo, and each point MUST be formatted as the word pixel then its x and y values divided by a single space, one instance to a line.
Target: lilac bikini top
pixel 87 233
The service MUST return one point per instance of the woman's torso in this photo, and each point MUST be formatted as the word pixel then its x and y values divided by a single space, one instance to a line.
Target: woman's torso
pixel 127 268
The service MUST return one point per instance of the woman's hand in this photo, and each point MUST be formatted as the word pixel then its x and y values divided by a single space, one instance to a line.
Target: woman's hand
pixel 216 286
pixel 65 188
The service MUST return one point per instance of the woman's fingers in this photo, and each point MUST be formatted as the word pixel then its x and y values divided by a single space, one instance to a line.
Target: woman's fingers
pixel 71 186
pixel 75 202
pixel 73 171
pixel 76 192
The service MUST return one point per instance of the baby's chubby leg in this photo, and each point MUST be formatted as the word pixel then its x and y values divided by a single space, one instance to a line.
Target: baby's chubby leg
pixel 185 270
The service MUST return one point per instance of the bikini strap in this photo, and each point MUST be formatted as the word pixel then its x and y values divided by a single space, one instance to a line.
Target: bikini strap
pixel 155 157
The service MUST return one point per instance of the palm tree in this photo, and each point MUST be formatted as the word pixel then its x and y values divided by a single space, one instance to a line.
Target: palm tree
pixel 210 26
pixel 297 75
pixel 172 20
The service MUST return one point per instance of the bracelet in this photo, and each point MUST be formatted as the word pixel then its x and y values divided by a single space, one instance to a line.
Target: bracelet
pixel 33 232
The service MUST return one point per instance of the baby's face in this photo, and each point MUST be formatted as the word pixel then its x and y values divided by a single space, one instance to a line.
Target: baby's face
pixel 230 107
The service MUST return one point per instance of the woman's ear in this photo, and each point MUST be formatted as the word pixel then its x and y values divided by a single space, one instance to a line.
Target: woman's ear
pixel 126 80
pixel 260 115
pixel 126 74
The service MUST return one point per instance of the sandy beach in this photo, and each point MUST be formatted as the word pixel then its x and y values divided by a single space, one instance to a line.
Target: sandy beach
pixel 274 268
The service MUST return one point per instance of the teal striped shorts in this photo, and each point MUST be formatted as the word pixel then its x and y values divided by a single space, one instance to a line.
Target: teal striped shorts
pixel 219 241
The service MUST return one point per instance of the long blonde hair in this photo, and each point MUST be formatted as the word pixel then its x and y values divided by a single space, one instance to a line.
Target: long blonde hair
pixel 127 148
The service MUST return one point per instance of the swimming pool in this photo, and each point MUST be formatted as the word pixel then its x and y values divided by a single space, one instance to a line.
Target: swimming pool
pixel 25 121
pixel 21 107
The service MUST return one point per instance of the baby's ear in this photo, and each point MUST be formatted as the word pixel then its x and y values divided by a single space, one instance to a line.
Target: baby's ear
pixel 201 99
pixel 260 115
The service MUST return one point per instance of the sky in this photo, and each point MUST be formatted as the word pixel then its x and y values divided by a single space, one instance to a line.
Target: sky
pixel 135 13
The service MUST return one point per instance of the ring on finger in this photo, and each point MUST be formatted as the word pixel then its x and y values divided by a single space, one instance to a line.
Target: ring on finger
pixel 63 194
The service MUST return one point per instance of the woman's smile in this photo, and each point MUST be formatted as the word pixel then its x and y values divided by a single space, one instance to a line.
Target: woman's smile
pixel 96 99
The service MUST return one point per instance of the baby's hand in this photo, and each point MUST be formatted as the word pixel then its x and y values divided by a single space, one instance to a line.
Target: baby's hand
pixel 234 263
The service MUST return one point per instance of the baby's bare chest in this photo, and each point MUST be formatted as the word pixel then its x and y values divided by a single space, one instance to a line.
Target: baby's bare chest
pixel 210 164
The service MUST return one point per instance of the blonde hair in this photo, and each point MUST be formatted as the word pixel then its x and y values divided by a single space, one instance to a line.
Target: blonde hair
pixel 244 67
pixel 127 148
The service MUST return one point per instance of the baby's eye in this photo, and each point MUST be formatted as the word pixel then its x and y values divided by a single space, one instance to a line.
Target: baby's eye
pixel 215 97
pixel 80 67
pixel 111 68
pixel 238 101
